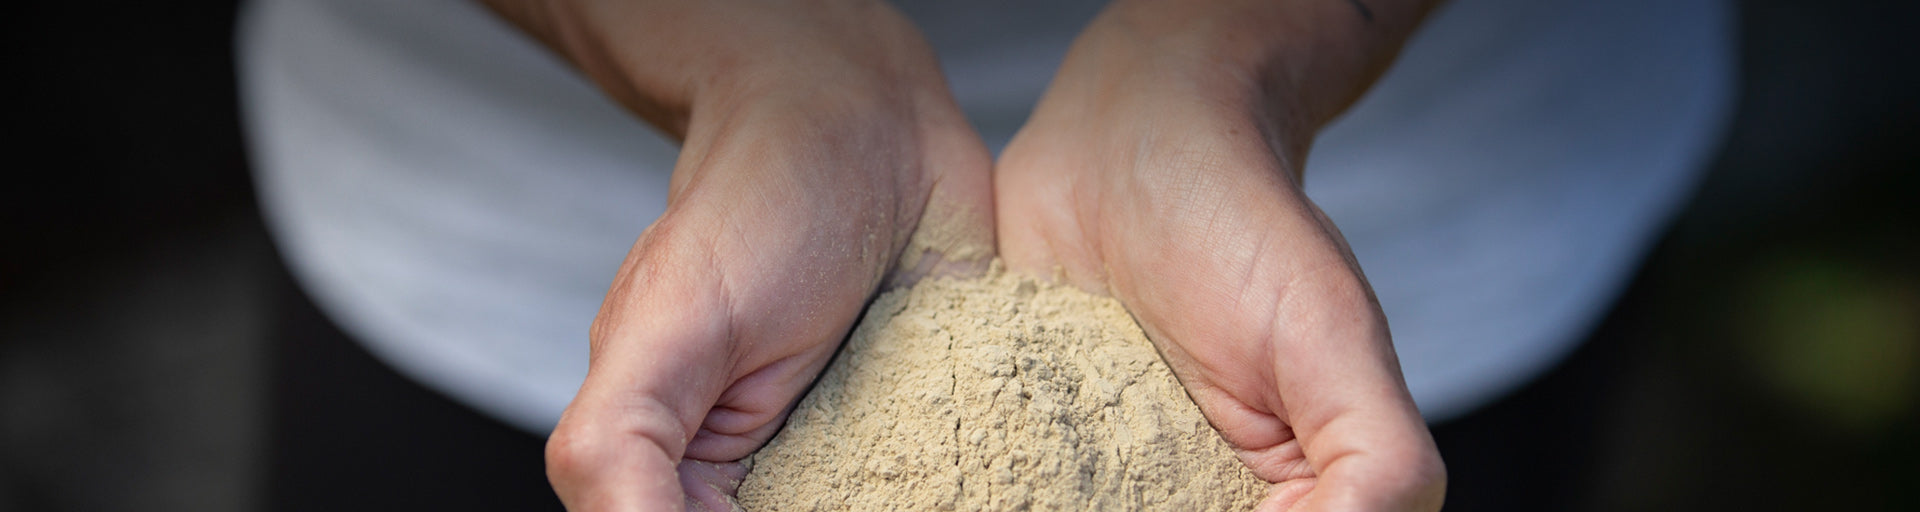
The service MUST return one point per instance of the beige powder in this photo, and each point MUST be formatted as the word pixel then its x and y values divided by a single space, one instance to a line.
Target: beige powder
pixel 998 393
pixel 953 233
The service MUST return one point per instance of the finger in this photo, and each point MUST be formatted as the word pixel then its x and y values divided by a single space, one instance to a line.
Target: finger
pixel 701 344
pixel 659 361
pixel 752 409
pixel 594 468
pixel 1345 398
pixel 1309 360
pixel 1278 338
pixel 710 485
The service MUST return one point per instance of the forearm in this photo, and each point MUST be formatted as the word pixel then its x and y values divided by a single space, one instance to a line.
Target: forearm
pixel 664 58
pixel 1304 60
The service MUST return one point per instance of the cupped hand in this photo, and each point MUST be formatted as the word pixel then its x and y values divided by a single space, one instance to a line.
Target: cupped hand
pixel 815 140
pixel 1172 181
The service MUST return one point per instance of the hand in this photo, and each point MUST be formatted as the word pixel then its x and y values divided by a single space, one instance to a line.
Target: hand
pixel 816 138
pixel 1166 171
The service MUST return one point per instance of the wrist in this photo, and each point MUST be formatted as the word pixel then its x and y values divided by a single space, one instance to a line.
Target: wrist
pixel 664 58
pixel 1302 60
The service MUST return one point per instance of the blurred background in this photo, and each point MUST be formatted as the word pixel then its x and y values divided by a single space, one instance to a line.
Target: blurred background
pixel 1766 358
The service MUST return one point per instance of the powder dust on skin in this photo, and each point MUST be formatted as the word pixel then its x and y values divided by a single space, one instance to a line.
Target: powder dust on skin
pixel 997 393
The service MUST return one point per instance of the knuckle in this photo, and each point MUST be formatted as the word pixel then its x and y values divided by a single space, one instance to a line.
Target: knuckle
pixel 589 442
pixel 1424 483
pixel 570 455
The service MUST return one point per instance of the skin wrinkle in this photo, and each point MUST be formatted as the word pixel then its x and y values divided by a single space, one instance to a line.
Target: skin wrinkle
pixel 642 336
pixel 728 420
pixel 1292 459
pixel 888 221
pixel 598 332
pixel 1407 481
pixel 728 82
pixel 708 484
pixel 643 417
pixel 1230 256
pixel 687 416
pixel 710 446
pixel 1195 179
pixel 1267 337
pixel 1224 402
pixel 1311 423
pixel 1290 156
pixel 657 272
pixel 1254 292
pixel 1204 173
pixel 1328 463
pixel 724 287
pixel 752 254
pixel 1244 242
pixel 1346 252
pixel 722 448
pixel 696 161
pixel 755 412
pixel 1198 374
pixel 1292 492
pixel 640 354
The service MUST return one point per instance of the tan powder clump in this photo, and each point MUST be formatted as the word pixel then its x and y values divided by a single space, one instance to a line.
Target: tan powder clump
pixel 997 393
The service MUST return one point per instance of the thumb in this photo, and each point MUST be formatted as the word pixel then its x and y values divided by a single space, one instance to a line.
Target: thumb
pixel 1341 382
pixel 699 350
pixel 656 345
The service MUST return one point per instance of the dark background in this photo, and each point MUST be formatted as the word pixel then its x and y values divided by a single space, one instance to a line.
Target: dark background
pixel 1766 358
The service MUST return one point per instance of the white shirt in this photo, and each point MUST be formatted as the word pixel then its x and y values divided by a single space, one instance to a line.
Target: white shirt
pixel 458 199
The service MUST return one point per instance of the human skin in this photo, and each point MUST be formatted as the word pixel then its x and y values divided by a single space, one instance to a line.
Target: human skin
pixel 814 138
pixel 1164 166
pixel 817 135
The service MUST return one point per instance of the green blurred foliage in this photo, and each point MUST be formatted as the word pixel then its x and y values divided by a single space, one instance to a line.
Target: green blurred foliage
pixel 1837 338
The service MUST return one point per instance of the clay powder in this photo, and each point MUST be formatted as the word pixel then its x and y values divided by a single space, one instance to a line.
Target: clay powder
pixel 997 393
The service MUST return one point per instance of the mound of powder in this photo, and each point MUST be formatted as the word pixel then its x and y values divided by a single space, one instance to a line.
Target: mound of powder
pixel 997 393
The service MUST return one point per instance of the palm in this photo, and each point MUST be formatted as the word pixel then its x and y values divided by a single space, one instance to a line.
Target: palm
pixel 779 227
pixel 1186 215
